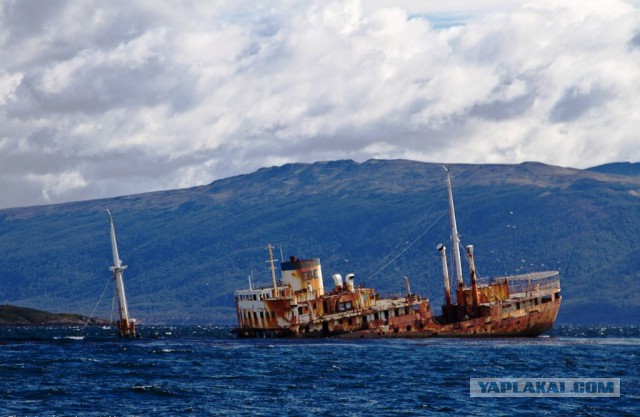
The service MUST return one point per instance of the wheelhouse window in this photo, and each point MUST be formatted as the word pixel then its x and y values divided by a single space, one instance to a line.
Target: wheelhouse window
pixel 346 306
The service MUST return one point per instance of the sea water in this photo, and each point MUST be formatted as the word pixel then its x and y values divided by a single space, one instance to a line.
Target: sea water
pixel 204 370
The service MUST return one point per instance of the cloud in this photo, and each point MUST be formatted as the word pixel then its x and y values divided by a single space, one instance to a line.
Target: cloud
pixel 108 98
pixel 8 85
pixel 575 103
pixel 56 185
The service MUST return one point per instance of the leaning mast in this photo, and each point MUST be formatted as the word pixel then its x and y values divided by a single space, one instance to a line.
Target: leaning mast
pixel 126 325
pixel 454 231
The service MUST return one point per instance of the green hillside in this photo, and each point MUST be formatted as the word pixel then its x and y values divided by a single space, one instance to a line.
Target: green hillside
pixel 188 250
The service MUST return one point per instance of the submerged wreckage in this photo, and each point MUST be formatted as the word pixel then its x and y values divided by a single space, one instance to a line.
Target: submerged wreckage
pixel 520 305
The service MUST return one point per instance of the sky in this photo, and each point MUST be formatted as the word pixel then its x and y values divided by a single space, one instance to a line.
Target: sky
pixel 101 99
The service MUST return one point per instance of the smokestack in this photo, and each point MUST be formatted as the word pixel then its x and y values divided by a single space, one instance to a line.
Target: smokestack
pixel 445 273
pixel 474 281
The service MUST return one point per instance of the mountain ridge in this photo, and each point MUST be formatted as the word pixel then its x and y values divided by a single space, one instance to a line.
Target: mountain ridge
pixel 22 316
pixel 618 168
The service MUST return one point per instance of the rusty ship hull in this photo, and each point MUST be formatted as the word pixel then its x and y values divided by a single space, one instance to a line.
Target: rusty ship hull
pixel 517 306
pixel 530 324
pixel 298 306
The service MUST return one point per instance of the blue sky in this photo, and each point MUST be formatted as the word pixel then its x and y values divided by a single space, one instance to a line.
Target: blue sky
pixel 100 99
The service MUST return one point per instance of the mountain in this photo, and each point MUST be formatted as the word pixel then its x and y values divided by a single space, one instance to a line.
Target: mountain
pixel 188 250
pixel 618 168
pixel 21 316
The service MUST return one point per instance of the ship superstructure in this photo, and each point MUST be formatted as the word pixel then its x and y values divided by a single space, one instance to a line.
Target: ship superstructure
pixel 521 305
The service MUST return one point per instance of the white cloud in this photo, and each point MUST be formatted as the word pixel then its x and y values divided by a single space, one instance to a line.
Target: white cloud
pixel 103 99
pixel 58 185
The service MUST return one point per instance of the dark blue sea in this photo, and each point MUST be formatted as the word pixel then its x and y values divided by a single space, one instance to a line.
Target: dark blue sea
pixel 204 370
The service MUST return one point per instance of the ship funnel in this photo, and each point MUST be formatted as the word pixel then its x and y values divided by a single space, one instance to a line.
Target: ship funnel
pixel 337 281
pixel 349 281
pixel 474 280
pixel 445 273
pixel 297 274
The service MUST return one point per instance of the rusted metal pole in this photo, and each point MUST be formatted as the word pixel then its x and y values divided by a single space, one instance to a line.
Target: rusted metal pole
pixel 445 274
pixel 474 281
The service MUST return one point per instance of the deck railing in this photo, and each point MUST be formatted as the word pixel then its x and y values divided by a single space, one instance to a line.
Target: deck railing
pixel 536 283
